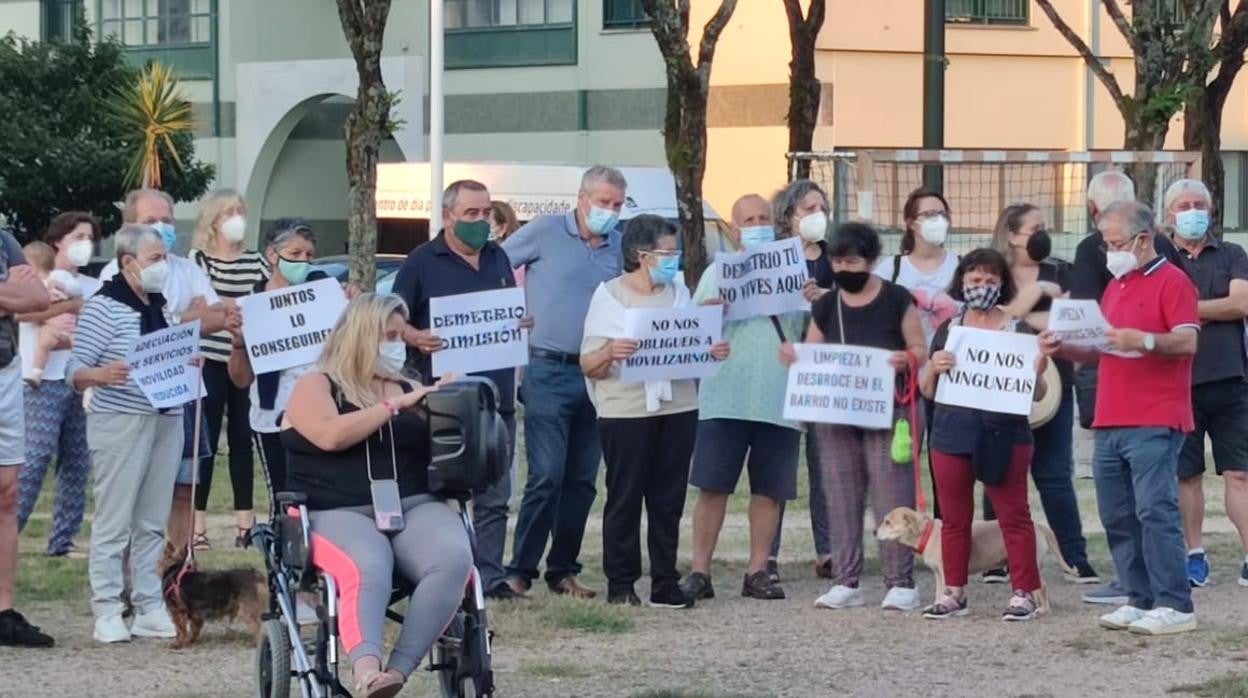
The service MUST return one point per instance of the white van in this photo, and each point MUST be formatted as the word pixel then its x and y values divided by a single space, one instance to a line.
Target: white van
pixel 531 190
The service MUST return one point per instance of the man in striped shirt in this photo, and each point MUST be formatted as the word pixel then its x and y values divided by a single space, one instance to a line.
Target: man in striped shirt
pixel 188 296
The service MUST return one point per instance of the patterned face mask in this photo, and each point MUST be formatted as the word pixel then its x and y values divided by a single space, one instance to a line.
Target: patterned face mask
pixel 981 296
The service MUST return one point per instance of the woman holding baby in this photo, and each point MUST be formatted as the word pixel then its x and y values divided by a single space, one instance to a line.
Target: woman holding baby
pixel 56 426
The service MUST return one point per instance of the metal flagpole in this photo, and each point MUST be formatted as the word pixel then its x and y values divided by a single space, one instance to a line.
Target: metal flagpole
pixel 437 118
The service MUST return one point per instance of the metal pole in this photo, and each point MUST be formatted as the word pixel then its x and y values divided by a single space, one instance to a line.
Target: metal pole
pixel 933 88
pixel 437 118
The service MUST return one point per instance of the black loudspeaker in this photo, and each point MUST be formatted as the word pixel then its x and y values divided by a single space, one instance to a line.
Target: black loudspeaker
pixel 470 448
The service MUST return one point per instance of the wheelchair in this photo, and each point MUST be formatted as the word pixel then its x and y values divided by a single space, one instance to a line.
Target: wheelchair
pixel 461 657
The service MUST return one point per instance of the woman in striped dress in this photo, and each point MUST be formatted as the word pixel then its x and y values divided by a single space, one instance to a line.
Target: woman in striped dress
pixel 218 248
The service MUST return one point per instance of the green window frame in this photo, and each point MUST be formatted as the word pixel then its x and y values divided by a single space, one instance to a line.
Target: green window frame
pixel 180 33
pixel 623 14
pixel 59 19
pixel 510 33
pixel 988 12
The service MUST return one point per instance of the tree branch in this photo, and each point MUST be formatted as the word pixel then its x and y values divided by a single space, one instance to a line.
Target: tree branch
pixel 1120 20
pixel 1094 64
pixel 1229 51
pixel 710 34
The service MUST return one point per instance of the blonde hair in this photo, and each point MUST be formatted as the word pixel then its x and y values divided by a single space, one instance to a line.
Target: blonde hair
pixel 350 354
pixel 41 256
pixel 210 209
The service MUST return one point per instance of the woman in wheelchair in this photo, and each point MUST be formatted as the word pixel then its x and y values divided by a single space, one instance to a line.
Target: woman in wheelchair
pixel 360 451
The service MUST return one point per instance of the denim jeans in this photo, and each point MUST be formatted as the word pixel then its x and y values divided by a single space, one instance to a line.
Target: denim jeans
pixel 1137 492
pixel 1052 469
pixel 489 519
pixel 561 442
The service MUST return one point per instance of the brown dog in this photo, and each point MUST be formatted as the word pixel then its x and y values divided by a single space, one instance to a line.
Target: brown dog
pixel 203 595
pixel 922 535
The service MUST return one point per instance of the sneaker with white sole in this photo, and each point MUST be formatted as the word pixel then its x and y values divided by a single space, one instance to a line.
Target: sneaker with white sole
pixel 901 599
pixel 841 596
pixel 111 629
pixel 1164 621
pixel 1112 594
pixel 154 623
pixel 1122 618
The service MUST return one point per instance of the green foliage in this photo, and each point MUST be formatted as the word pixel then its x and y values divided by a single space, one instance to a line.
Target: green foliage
pixel 58 149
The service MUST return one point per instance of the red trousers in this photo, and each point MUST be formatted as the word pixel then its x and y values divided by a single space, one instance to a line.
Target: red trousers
pixel 955 486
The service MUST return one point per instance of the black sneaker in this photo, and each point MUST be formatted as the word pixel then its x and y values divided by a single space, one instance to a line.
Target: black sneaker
pixel 501 592
pixel 759 586
pixel 15 631
pixel 697 586
pixel 1084 574
pixel 998 575
pixel 773 571
pixel 628 597
pixel 670 596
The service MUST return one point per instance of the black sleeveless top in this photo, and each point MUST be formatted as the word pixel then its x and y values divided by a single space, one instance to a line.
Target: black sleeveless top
pixel 334 479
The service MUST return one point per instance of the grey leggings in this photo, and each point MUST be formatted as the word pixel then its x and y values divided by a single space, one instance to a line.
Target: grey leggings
pixel 432 550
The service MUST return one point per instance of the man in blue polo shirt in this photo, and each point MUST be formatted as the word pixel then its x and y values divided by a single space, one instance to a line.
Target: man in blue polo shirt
pixel 463 260
pixel 567 256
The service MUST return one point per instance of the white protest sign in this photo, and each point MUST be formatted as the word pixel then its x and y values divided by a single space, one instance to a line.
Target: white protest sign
pixel 841 384
pixel 674 343
pixel 993 371
pixel 766 280
pixel 160 364
pixel 1079 323
pixel 287 327
pixel 479 331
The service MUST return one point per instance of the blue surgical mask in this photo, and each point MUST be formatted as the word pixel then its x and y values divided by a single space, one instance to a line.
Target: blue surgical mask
pixel 666 270
pixel 1192 224
pixel 601 221
pixel 757 235
pixel 167 233
pixel 293 271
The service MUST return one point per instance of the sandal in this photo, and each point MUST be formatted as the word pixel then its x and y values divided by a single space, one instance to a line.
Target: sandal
pixel 243 537
pixel 201 542
pixel 380 684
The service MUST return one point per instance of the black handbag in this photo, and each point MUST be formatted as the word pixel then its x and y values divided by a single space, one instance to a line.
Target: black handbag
pixel 993 448
pixel 470 446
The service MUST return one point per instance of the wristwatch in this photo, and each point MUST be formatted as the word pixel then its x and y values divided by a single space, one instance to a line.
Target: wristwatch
pixel 1150 341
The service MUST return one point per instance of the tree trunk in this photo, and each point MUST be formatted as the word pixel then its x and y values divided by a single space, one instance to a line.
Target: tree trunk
pixel 684 136
pixel 1202 130
pixel 364 25
pixel 1144 136
pixel 804 96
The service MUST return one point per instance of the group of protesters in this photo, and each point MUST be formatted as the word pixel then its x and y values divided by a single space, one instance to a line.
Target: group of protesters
pixel 1171 371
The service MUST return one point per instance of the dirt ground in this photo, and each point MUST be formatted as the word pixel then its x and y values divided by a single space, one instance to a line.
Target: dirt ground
pixel 730 646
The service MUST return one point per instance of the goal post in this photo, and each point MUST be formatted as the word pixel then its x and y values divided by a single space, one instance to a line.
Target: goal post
pixel 872 185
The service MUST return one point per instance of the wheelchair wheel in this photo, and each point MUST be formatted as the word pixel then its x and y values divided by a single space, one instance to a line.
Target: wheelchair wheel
pixel 273 661
pixel 448 652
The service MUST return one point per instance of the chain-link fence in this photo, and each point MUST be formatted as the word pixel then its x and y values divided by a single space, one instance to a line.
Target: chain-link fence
pixel 873 185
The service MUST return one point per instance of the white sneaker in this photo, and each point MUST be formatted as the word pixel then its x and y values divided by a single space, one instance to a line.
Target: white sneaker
pixel 901 599
pixel 841 596
pixel 1122 618
pixel 111 629
pixel 1164 621
pixel 154 623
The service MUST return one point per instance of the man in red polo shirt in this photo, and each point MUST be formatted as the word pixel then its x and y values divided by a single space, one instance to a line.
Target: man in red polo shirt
pixel 1143 410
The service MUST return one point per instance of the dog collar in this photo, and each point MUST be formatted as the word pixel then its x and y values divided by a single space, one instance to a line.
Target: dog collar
pixel 927 536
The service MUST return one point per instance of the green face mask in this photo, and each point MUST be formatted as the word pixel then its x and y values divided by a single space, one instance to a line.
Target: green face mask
pixel 294 272
pixel 473 233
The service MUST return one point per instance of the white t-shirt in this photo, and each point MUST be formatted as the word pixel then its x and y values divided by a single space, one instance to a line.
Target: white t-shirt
pixel 28 337
pixel 265 421
pixel 929 288
pixel 185 281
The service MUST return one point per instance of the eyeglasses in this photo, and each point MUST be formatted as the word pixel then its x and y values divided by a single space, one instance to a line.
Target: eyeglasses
pixel 926 215
pixel 663 253
pixel 1118 246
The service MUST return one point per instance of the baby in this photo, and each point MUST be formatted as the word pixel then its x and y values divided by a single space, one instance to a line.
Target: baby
pixel 56 332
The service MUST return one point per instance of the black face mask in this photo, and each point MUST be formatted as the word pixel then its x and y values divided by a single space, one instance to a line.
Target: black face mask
pixel 851 281
pixel 1039 245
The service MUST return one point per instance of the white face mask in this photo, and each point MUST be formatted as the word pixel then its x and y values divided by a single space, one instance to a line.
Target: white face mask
pixel 391 357
pixel 813 227
pixel 1122 262
pixel 934 230
pixel 152 278
pixel 234 228
pixel 79 252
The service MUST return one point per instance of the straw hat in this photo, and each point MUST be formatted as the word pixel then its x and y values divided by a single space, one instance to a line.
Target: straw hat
pixel 1043 410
